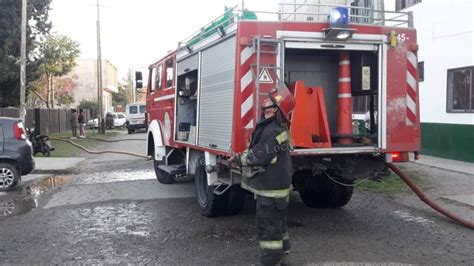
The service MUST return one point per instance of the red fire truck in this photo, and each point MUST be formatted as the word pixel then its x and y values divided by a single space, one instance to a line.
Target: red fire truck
pixel 203 102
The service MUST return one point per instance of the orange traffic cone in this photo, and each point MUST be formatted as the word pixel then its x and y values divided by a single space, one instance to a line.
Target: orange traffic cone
pixel 344 101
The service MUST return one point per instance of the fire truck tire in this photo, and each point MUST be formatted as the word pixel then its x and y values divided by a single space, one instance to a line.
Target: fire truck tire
pixel 320 192
pixel 210 204
pixel 162 176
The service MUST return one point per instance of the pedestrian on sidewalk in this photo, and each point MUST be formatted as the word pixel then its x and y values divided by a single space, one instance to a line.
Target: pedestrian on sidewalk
pixel 73 121
pixel 82 124
pixel 269 163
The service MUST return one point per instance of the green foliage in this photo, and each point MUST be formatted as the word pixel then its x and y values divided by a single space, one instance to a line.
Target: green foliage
pixel 391 185
pixel 90 105
pixel 59 55
pixel 120 98
pixel 10 32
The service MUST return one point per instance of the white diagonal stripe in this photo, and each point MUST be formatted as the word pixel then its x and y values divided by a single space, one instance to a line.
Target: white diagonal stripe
pixel 344 79
pixel 344 95
pixel 412 58
pixel 245 55
pixel 408 122
pixel 344 62
pixel 411 104
pixel 246 106
pixel 250 124
pixel 411 81
pixel 162 98
pixel 246 80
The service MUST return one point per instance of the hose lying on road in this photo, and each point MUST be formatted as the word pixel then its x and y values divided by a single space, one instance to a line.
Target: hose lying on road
pixel 428 201
pixel 105 151
pixel 105 140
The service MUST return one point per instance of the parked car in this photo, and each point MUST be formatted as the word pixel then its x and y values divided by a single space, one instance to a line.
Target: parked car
pixel 135 115
pixel 16 153
pixel 93 123
pixel 119 120
pixel 115 119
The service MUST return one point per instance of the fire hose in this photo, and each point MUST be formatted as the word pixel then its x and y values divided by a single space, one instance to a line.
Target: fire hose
pixel 105 151
pixel 428 201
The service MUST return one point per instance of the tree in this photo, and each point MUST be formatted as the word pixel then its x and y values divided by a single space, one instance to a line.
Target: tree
pixel 120 98
pixel 89 105
pixel 59 57
pixel 64 91
pixel 38 26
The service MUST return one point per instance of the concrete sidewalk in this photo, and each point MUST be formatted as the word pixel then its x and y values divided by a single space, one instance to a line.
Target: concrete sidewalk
pixel 455 166
pixel 56 164
pixel 458 166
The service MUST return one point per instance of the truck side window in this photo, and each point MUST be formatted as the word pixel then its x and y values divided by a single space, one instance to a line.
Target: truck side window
pixel 158 75
pixel 169 73
pixel 151 79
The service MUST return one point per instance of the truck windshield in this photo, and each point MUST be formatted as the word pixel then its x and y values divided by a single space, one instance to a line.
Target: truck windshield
pixel 133 109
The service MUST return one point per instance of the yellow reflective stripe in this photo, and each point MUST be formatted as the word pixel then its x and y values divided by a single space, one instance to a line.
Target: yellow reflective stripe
pixel 282 137
pixel 276 193
pixel 274 160
pixel 273 245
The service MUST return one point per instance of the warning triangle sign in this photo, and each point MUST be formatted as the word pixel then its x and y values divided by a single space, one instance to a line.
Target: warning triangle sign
pixel 264 76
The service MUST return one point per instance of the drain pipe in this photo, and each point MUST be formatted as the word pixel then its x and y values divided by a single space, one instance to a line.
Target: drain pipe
pixel 428 201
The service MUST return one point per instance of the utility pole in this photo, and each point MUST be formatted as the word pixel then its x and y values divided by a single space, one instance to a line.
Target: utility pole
pixel 23 61
pixel 99 77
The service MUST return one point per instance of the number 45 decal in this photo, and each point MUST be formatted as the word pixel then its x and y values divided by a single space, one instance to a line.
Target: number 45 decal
pixel 401 37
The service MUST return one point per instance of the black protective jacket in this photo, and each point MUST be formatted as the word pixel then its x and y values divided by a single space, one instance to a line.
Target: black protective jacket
pixel 268 157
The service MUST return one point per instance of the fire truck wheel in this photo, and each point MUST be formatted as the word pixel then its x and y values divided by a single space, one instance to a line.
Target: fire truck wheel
pixel 320 192
pixel 162 176
pixel 210 204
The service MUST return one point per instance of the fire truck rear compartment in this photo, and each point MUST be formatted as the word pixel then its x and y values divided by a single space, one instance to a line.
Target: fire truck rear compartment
pixel 320 68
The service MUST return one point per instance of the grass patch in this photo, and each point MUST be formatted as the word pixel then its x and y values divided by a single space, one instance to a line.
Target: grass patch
pixel 65 149
pixel 391 185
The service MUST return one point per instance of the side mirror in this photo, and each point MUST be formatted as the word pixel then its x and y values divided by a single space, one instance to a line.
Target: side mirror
pixel 138 80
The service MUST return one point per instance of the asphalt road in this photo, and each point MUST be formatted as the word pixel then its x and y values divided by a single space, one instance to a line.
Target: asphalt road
pixel 112 210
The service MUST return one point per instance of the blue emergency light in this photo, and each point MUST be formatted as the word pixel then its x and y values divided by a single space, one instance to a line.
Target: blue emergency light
pixel 338 25
pixel 339 17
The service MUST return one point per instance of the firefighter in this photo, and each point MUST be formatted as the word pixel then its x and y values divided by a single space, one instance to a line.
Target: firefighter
pixel 268 166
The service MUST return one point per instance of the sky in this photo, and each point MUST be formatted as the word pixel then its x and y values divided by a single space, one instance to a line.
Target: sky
pixel 136 33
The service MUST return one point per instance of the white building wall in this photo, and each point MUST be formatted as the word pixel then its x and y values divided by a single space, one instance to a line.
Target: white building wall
pixel 445 36
pixel 85 78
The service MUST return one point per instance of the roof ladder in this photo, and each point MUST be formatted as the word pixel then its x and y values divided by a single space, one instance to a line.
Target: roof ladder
pixel 265 45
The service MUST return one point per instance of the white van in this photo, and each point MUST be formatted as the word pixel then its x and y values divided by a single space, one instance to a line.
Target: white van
pixel 135 116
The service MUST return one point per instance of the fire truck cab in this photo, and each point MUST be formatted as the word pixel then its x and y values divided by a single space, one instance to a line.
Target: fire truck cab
pixel 203 101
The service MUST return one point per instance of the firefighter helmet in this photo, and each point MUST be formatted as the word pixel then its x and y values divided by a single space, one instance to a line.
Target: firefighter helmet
pixel 283 100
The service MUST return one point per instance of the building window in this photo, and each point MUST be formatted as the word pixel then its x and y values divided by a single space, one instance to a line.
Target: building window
pixel 421 71
pixel 460 90
pixel 169 73
pixel 402 4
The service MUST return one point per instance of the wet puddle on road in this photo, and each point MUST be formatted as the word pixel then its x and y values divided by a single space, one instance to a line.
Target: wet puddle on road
pixel 114 176
pixel 26 198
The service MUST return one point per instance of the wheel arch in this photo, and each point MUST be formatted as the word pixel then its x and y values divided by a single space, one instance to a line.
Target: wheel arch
pixel 12 162
pixel 155 144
